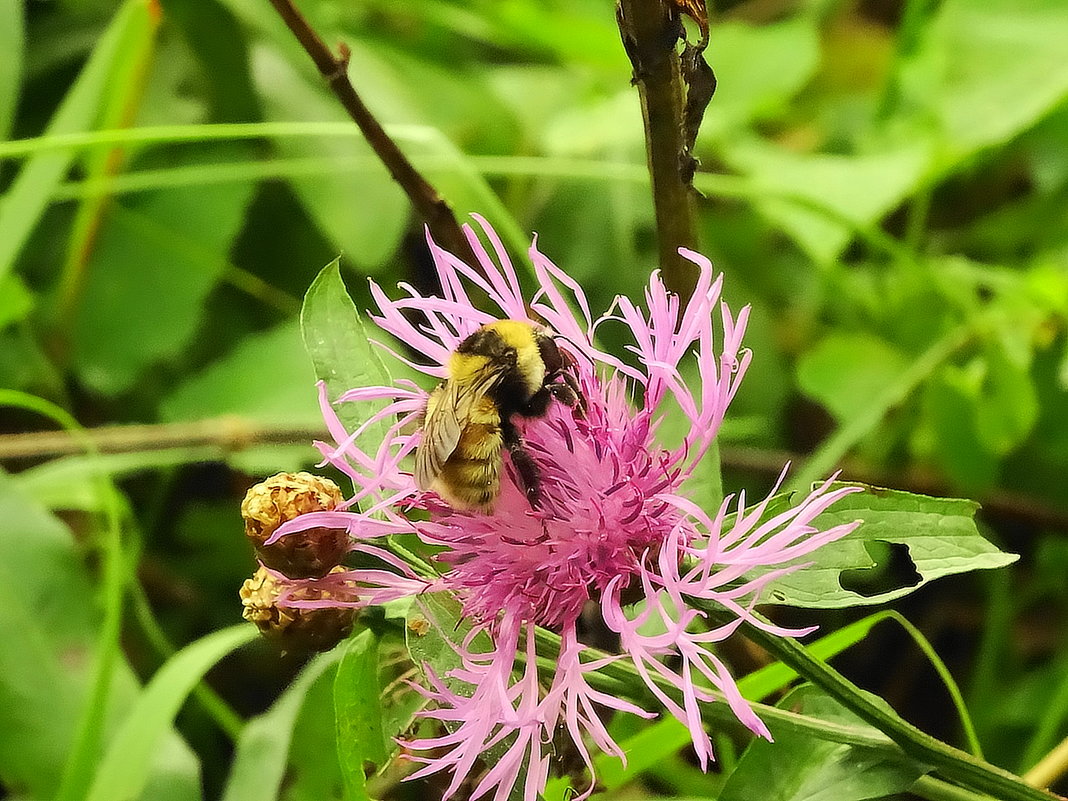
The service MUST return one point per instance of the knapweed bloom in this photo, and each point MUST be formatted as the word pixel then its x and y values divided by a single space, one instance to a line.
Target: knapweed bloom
pixel 615 524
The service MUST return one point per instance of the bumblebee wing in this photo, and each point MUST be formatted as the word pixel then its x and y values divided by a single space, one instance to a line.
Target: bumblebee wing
pixel 448 411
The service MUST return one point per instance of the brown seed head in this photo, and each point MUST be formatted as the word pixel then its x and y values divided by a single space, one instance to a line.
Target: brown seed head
pixel 280 498
pixel 314 629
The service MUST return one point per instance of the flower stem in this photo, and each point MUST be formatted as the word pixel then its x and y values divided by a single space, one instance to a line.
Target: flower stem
pixel 433 208
pixel 650 31
pixel 951 762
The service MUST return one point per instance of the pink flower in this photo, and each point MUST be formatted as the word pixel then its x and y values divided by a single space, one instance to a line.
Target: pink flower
pixel 615 524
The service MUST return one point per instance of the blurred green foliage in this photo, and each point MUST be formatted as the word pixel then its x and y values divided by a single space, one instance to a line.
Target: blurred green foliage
pixel 885 181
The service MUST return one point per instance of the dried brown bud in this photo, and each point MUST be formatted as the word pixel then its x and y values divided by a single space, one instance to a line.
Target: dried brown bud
pixel 280 498
pixel 314 629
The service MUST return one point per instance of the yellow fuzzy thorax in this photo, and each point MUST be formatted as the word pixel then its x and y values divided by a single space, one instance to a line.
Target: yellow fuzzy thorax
pixel 515 334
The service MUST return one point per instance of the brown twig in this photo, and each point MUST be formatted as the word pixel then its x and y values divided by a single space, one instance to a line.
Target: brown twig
pixel 226 433
pixel 434 210
pixel 650 30
pixel 229 434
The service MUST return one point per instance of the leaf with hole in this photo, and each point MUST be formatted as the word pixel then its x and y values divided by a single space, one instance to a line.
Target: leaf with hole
pixel 917 537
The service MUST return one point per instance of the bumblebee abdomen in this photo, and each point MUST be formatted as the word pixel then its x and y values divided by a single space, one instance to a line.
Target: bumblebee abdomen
pixel 471 476
pixel 471 482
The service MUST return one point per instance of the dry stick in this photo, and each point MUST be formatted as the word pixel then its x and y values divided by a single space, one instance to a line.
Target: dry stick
pixel 230 434
pixel 428 203
pixel 227 434
pixel 650 31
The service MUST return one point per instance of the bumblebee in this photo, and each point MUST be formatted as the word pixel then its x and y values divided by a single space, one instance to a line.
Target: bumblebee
pixel 503 369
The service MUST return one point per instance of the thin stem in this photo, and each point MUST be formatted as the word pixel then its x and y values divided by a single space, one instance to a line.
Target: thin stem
pixel 1050 768
pixel 650 31
pixel 213 704
pixel 953 763
pixel 228 433
pixel 434 210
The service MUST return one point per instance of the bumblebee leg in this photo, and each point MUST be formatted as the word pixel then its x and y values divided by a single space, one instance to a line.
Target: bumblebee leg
pixel 538 404
pixel 529 479
pixel 569 393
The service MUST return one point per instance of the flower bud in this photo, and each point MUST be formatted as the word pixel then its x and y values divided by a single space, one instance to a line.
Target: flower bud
pixel 280 498
pixel 315 629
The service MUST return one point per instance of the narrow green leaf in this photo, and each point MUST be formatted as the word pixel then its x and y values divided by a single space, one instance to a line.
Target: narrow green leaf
pixel 341 349
pixel 29 194
pixel 939 535
pixel 124 769
pixel 263 751
pixel 12 35
pixel 358 714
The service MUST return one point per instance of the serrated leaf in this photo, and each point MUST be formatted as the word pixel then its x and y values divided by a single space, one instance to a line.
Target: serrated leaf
pixel 125 768
pixel 797 767
pixel 939 533
pixel 358 714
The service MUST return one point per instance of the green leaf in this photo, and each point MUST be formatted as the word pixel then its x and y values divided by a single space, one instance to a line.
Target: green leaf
pixel 949 408
pixel 989 70
pixel 938 535
pixel 49 628
pixel 29 194
pixel 364 214
pixel 341 349
pixel 434 629
pixel 859 189
pixel 358 714
pixel 844 371
pixel 802 768
pixel 759 68
pixel 155 260
pixel 12 36
pixel 16 300
pixel 124 770
pixel 263 750
pixel 1008 407
pixel 658 741
pixel 271 370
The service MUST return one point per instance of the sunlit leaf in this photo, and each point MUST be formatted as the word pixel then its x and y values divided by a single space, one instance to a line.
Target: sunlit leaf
pixel 924 538
pixel 339 343
pixel 845 370
pixel 124 770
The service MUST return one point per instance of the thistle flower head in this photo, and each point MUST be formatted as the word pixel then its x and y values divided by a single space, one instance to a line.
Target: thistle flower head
pixel 616 523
